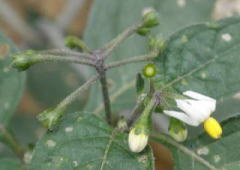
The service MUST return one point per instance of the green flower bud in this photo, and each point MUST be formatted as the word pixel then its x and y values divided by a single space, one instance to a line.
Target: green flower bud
pixel 74 42
pixel 157 43
pixel 51 117
pixel 139 84
pixel 23 61
pixel 143 31
pixel 150 18
pixel 149 70
pixel 177 130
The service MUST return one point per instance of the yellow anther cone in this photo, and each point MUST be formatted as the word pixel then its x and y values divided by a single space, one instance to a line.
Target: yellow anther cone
pixel 213 128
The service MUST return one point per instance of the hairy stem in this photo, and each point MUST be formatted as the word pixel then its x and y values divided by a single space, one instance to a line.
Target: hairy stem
pixel 69 99
pixel 11 141
pixel 132 60
pixel 106 98
pixel 137 110
pixel 184 149
pixel 52 58
pixel 70 53
pixel 108 48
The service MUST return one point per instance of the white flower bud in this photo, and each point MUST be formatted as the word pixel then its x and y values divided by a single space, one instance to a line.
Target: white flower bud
pixel 137 141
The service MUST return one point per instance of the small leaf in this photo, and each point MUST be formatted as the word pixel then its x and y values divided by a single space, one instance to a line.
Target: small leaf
pixel 84 141
pixel 139 84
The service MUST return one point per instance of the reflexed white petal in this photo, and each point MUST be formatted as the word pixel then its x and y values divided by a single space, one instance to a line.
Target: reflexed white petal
pixel 185 106
pixel 182 116
pixel 197 96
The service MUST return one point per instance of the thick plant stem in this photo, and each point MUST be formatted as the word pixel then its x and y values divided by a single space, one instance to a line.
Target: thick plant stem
pixel 106 98
pixel 10 140
pixel 108 48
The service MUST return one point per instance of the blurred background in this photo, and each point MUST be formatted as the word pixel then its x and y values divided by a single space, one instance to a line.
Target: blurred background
pixel 43 25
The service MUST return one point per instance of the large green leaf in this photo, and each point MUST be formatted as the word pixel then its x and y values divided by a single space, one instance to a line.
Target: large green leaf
pixel 203 58
pixel 8 164
pixel 11 82
pixel 222 154
pixel 108 18
pixel 83 141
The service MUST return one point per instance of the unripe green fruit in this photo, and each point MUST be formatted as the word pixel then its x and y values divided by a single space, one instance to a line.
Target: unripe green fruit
pixel 149 70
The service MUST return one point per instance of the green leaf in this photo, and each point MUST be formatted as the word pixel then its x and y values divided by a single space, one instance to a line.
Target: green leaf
pixel 9 164
pixel 203 58
pixel 222 153
pixel 11 81
pixel 106 23
pixel 83 141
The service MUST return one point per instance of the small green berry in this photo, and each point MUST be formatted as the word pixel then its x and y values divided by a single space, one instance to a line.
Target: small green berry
pixel 149 70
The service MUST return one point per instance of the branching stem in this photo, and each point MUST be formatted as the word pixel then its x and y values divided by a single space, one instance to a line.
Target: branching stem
pixel 53 58
pixel 69 99
pixel 108 48
pixel 132 60
pixel 69 53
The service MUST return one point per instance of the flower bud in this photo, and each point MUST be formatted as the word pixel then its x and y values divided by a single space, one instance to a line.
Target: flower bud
pixel 74 42
pixel 51 117
pixel 138 136
pixel 213 128
pixel 157 43
pixel 150 17
pixel 23 61
pixel 143 31
pixel 149 70
pixel 137 140
pixel 177 130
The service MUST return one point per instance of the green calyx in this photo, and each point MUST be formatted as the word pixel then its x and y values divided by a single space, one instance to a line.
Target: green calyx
pixel 23 61
pixel 143 123
pixel 157 43
pixel 73 42
pixel 50 117
pixel 150 18
pixel 177 130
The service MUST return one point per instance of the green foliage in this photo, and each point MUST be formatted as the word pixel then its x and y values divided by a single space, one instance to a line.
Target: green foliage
pixel 11 82
pixel 107 23
pixel 8 164
pixel 198 58
pixel 83 141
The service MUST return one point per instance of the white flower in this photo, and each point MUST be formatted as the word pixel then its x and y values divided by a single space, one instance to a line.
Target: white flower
pixel 195 110
pixel 137 141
